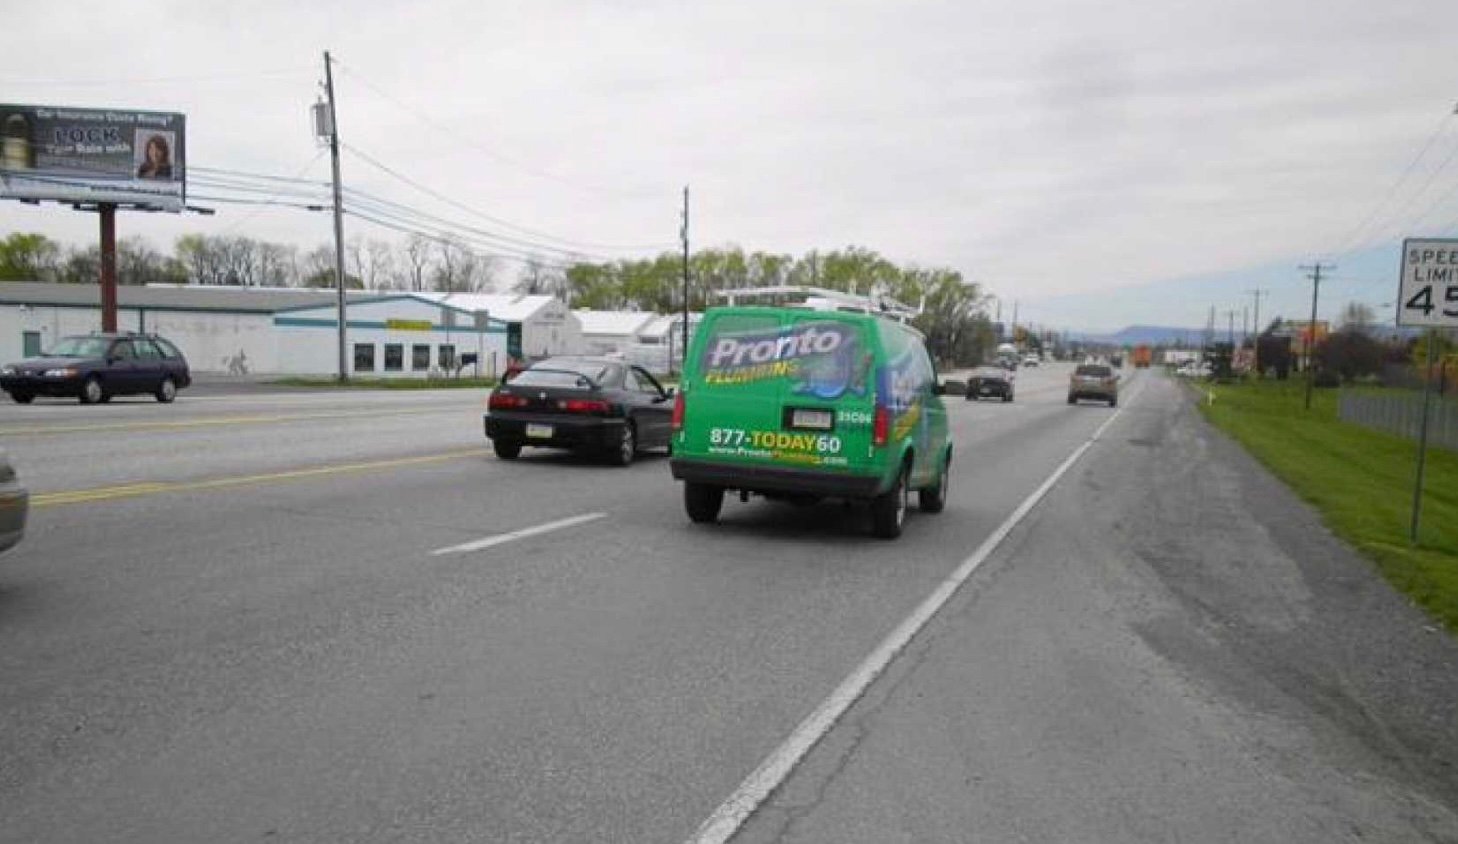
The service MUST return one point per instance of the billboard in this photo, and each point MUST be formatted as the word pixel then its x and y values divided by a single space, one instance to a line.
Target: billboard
pixel 93 155
pixel 1302 334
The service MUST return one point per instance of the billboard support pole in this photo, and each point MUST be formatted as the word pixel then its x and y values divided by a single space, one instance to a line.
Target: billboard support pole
pixel 1422 452
pixel 338 212
pixel 107 211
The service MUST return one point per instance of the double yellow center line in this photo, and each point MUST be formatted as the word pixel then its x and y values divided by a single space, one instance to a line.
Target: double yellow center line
pixel 84 496
pixel 215 421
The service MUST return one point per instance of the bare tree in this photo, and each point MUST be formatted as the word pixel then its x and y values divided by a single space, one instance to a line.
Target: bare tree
pixel 418 260
pixel 460 270
pixel 277 265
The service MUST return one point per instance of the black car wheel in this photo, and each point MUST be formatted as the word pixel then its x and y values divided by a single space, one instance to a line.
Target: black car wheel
pixel 888 510
pixel 1007 396
pixel 506 449
pixel 627 446
pixel 933 499
pixel 1073 399
pixel 22 398
pixel 702 501
pixel 92 392
pixel 166 391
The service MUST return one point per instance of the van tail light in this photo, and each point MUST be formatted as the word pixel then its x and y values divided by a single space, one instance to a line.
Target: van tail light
pixel 590 407
pixel 505 401
pixel 678 412
pixel 881 426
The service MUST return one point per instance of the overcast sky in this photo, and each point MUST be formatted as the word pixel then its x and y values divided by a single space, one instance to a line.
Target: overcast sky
pixel 1103 163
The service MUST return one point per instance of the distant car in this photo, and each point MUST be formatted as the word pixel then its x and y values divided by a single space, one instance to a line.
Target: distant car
pixel 587 404
pixel 14 505
pixel 1094 381
pixel 1031 360
pixel 987 382
pixel 95 367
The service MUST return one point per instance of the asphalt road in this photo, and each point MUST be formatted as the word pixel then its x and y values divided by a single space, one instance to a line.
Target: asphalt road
pixel 325 617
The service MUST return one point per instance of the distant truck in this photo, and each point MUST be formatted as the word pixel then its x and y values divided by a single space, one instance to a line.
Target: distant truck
pixel 1142 357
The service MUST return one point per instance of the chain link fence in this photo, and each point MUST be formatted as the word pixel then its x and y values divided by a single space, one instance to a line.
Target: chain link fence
pixel 1402 414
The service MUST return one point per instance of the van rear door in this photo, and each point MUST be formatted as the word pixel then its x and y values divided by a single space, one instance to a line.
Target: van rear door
pixel 781 388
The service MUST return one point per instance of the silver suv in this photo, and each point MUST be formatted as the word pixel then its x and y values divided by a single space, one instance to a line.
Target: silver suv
pixel 1094 381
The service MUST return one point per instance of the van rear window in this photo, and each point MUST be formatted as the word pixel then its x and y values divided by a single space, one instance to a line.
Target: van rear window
pixel 815 357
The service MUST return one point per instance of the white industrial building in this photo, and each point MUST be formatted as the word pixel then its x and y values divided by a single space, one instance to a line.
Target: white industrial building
pixel 241 331
pixel 652 341
pixel 611 332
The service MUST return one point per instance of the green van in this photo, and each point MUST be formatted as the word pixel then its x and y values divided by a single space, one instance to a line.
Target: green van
pixel 801 405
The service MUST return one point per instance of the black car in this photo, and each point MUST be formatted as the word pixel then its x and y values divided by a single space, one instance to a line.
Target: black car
pixel 95 367
pixel 14 505
pixel 989 382
pixel 588 404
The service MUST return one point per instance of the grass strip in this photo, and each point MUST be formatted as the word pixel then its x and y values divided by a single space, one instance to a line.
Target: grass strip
pixel 1360 480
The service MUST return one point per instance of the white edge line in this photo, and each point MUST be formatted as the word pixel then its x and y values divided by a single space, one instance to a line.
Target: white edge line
pixel 772 772
pixel 489 541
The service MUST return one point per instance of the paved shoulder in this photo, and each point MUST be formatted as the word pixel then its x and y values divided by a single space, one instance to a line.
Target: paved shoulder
pixel 1172 648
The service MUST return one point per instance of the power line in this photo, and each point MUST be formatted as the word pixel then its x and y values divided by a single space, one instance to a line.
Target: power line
pixel 236 224
pixel 1352 236
pixel 474 144
pixel 265 177
pixel 422 217
pixel 497 220
pixel 156 80
pixel 415 225
pixel 458 242
pixel 1398 218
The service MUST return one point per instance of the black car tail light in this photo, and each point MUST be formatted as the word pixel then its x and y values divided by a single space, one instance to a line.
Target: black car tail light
pixel 505 401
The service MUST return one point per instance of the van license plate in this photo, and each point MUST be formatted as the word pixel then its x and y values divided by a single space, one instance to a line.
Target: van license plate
pixel 539 431
pixel 820 420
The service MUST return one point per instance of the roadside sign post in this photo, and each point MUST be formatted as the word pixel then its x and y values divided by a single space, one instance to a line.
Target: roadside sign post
pixel 1427 297
pixel 1422 454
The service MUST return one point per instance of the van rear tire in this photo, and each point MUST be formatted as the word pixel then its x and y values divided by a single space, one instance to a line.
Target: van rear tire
pixel 702 501
pixel 888 510
pixel 933 499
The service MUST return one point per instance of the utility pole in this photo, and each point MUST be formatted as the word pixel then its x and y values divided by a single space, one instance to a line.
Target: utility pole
pixel 1230 334
pixel 1315 276
pixel 1256 324
pixel 338 211
pixel 684 236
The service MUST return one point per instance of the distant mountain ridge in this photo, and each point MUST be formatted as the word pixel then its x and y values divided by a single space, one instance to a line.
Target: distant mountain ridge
pixel 1153 335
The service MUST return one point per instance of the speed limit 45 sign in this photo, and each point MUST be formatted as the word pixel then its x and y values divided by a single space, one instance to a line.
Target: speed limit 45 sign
pixel 1427 295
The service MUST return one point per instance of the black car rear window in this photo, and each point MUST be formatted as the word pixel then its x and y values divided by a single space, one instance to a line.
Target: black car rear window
pixel 563 373
pixel 990 372
pixel 1094 370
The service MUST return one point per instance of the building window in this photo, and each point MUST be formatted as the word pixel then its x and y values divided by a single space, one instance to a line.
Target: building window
pixel 394 357
pixel 419 357
pixel 364 357
pixel 30 342
pixel 447 356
